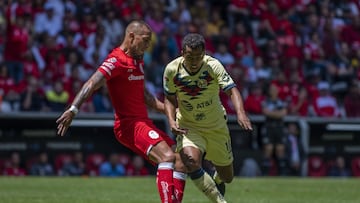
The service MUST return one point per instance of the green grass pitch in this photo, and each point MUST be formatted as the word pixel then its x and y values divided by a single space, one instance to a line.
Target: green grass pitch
pixel 143 190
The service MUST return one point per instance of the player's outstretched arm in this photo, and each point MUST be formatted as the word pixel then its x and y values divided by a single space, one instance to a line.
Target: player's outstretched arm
pixel 95 82
pixel 236 99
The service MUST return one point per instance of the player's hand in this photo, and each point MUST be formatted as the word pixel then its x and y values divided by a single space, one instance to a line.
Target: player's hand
pixel 244 122
pixel 64 122
pixel 176 130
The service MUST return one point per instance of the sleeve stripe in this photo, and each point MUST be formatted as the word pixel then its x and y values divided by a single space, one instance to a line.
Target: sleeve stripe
pixel 229 87
pixel 106 69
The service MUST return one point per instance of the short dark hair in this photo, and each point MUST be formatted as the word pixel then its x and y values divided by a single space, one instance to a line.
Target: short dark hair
pixel 193 41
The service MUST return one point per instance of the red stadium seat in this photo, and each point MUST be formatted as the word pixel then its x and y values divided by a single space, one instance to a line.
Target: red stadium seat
pixel 355 166
pixel 93 162
pixel 316 166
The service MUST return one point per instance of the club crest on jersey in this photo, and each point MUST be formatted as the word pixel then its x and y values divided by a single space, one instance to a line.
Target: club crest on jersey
pixel 202 83
pixel 153 134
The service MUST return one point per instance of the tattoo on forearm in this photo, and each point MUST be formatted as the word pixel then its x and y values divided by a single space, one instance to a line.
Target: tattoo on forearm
pixel 96 81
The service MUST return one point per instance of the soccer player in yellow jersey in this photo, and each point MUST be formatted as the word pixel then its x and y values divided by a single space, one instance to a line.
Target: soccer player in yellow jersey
pixel 192 83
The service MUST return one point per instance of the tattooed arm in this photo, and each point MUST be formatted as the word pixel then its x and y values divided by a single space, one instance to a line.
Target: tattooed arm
pixel 95 82
pixel 153 102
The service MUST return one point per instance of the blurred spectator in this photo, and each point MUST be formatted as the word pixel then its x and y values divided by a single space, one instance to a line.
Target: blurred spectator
pixel 155 18
pixel 215 23
pixel 250 168
pixel 33 98
pixel 238 10
pixel 258 72
pixel 101 101
pixel 93 162
pixel 7 84
pixel 16 45
pixel 242 45
pixel 113 26
pixel 339 168
pixel 74 70
pixel 299 101
pixel 316 166
pixel 112 167
pixel 57 98
pixel 273 137
pixel 131 10
pixel 294 150
pixel 137 167
pixel 75 166
pixel 254 100
pixel 48 22
pixel 282 84
pixel 41 166
pixel 299 104
pixel 352 100
pixel 15 166
pixel 223 55
pixel 200 10
pixel 185 15
pixel 325 105
pixel 166 42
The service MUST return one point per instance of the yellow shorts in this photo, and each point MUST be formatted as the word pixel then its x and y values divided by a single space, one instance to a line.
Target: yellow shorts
pixel 216 142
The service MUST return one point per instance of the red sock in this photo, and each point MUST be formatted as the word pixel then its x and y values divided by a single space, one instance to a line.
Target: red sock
pixel 179 185
pixel 165 183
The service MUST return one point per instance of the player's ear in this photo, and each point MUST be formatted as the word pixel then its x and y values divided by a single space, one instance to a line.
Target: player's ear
pixel 131 36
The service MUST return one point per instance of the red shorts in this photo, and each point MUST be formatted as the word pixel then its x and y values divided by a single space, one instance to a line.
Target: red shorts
pixel 141 136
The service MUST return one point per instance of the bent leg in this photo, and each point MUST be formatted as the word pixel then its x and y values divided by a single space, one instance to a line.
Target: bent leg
pixel 179 178
pixel 192 158
pixel 162 154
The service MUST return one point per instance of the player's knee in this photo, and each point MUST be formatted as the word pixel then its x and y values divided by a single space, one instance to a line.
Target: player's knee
pixel 191 164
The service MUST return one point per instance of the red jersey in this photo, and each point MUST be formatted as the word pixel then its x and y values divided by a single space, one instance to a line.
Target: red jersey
pixel 125 82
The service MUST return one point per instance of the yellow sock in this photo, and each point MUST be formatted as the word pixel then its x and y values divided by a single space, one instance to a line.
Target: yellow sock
pixel 207 185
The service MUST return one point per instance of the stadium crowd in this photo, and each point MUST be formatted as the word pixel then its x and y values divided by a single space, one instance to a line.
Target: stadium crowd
pixel 310 50
pixel 75 164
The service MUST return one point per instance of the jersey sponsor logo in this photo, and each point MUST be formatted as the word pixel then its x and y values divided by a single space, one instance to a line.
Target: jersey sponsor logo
pixel 204 104
pixel 186 105
pixel 136 77
pixel 153 134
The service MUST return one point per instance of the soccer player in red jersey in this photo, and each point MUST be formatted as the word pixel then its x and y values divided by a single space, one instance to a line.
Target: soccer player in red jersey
pixel 122 72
